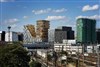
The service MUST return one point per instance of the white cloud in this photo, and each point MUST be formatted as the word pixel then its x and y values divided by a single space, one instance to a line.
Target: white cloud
pixel 71 25
pixel 88 7
pixel 96 17
pixel 60 10
pixel 7 0
pixel 41 11
pixel 11 21
pixel 48 10
pixel 56 18
pixel 25 17
pixel 13 26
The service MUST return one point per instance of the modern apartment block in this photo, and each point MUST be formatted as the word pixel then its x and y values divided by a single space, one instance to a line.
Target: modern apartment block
pixel 29 33
pixel 60 34
pixel 98 35
pixel 86 30
pixel 42 30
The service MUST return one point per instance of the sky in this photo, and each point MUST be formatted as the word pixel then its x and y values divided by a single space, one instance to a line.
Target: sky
pixel 17 13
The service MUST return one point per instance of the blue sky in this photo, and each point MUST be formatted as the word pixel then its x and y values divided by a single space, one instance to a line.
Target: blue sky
pixel 17 13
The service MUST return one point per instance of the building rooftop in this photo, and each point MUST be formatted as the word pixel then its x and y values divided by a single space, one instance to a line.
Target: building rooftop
pixel 86 18
pixel 42 21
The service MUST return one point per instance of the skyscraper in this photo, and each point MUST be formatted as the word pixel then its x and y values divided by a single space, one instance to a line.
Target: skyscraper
pixel 42 30
pixel 86 30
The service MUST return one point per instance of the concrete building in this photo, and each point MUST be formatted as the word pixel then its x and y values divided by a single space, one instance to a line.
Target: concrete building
pixel 98 35
pixel 67 47
pixel 42 53
pixel 69 41
pixel 42 30
pixel 29 34
pixel 20 36
pixel 51 35
pixel 2 35
pixel 60 33
pixel 86 30
pixel 70 32
pixel 13 36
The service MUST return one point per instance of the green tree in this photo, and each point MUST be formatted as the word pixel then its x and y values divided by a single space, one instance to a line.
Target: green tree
pixel 49 57
pixel 34 64
pixel 13 56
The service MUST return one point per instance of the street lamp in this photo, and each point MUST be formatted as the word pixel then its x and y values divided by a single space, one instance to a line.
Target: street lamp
pixel 9 27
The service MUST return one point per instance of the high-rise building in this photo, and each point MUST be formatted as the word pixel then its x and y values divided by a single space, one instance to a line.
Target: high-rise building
pixel 70 32
pixel 60 34
pixel 42 30
pixel 86 30
pixel 98 35
pixel 29 33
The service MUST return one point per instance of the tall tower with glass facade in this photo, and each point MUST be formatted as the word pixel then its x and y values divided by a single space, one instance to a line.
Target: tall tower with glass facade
pixel 86 30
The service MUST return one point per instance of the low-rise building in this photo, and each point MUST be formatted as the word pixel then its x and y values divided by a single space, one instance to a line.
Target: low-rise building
pixel 2 35
pixel 67 47
pixel 12 36
pixel 42 53
pixel 20 36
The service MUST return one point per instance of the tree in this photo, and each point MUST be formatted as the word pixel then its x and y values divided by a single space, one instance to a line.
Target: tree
pixel 14 56
pixel 49 57
pixel 34 64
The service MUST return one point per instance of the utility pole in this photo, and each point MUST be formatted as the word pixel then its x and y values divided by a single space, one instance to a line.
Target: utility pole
pixel 77 65
pixel 78 55
pixel 47 58
pixel 83 53
pixel 98 55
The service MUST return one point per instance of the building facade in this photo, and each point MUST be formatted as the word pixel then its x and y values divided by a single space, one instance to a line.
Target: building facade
pixel 98 35
pixel 86 30
pixel 2 35
pixel 67 47
pixel 70 32
pixel 60 34
pixel 42 30
pixel 20 36
pixel 29 34
pixel 13 37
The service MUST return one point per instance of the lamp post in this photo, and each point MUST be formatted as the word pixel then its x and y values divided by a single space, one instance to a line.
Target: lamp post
pixel 9 27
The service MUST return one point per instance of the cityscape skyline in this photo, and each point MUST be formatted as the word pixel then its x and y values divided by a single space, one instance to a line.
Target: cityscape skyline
pixel 18 13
